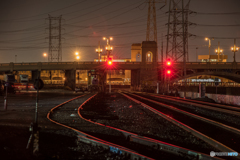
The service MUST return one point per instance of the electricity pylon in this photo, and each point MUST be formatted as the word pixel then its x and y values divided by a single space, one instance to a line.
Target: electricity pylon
pixel 55 47
pixel 177 36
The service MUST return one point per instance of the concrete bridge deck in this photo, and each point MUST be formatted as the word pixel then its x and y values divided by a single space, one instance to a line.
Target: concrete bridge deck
pixel 117 65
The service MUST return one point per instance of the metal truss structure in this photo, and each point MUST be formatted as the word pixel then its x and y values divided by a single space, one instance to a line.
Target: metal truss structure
pixel 177 36
pixel 55 39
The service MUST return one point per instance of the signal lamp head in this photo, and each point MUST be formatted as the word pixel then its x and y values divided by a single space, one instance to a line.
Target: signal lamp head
pixel 169 62
pixel 109 61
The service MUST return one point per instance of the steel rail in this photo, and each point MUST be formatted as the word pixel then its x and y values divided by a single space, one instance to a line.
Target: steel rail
pixel 196 133
pixel 237 113
pixel 87 138
pixel 156 144
pixel 200 102
pixel 229 128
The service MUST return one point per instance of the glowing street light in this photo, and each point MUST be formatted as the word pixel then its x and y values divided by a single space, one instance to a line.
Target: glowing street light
pixel 45 55
pixel 99 51
pixel 234 49
pixel 76 53
pixel 108 47
pixel 209 45
pixel 219 51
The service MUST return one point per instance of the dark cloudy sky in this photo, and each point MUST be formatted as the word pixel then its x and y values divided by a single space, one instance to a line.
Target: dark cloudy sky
pixel 23 27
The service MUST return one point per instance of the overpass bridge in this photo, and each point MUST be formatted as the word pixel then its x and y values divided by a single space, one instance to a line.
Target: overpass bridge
pixel 149 69
pixel 140 71
pixel 10 67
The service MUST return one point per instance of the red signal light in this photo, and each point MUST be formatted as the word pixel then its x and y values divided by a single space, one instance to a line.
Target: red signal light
pixel 109 61
pixel 169 63
pixel 168 71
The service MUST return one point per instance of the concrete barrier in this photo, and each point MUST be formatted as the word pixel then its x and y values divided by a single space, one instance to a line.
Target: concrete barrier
pixel 219 98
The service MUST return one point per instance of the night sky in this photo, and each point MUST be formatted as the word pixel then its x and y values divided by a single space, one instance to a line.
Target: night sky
pixel 23 27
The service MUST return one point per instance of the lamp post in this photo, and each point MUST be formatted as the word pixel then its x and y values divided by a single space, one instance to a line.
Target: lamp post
pixel 108 47
pixel 234 49
pixel 99 51
pixel 209 46
pixel 219 51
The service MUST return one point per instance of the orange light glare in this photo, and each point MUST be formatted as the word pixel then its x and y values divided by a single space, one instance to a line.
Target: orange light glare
pixel 206 39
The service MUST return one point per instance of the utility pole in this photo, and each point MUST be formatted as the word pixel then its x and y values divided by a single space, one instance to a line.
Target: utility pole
pixel 196 54
pixel 184 52
pixel 55 49
pixel 162 69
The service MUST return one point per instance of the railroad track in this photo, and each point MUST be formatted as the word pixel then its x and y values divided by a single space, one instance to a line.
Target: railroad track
pixel 210 106
pixel 87 138
pixel 226 115
pixel 153 143
pixel 133 138
pixel 223 137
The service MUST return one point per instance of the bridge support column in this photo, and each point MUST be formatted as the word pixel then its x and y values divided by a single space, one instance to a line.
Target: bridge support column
pixel 35 75
pixel 135 79
pixel 70 80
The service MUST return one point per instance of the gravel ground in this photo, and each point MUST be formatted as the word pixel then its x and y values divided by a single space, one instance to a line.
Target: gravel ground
pixel 119 112
pixel 67 115
pixel 228 119
pixel 55 141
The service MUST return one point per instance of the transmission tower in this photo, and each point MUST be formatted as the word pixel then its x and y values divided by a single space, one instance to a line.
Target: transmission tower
pixel 55 39
pixel 151 23
pixel 177 36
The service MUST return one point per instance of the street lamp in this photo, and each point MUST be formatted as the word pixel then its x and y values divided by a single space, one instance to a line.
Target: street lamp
pixel 99 51
pixel 108 47
pixel 209 45
pixel 234 49
pixel 78 57
pixel 219 51
pixel 76 53
pixel 44 55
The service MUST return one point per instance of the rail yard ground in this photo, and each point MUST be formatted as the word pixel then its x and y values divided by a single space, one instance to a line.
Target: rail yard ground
pixel 57 142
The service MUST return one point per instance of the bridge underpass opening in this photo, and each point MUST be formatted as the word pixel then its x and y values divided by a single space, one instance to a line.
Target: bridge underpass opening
pixel 119 78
